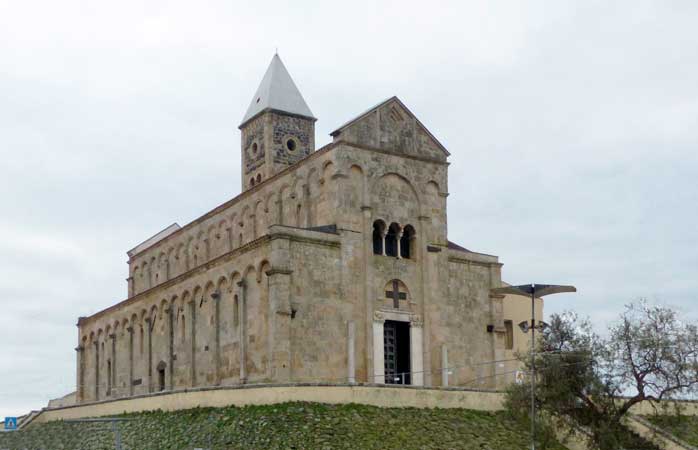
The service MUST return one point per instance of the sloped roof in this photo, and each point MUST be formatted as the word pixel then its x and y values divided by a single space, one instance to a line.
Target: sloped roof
pixel 154 239
pixel 277 91
pixel 454 246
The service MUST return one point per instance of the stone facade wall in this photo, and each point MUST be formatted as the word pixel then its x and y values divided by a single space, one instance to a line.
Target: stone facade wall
pixel 285 127
pixel 283 283
pixel 193 262
pixel 254 148
pixel 265 149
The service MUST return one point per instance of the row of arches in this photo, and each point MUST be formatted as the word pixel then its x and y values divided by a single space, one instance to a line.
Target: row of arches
pixel 293 204
pixel 156 310
pixel 394 240
pixel 178 337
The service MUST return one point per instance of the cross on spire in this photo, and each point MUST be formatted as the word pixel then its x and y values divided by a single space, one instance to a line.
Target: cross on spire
pixel 395 294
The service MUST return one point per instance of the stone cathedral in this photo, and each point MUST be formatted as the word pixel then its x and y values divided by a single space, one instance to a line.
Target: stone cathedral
pixel 333 265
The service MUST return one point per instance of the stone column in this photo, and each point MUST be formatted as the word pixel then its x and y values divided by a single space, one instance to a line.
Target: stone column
pixel 444 365
pixel 149 372
pixel 96 344
pixel 417 352
pixel 130 361
pixel 170 349
pixel 80 353
pixel 427 263
pixel 398 238
pixel 192 325
pixel 279 211
pixel 129 280
pixel 242 329
pixel 378 355
pixel 384 233
pixel 351 358
pixel 112 375
pixel 216 296
pixel 369 295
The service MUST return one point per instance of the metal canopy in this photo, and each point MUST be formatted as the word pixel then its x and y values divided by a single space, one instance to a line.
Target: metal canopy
pixel 537 290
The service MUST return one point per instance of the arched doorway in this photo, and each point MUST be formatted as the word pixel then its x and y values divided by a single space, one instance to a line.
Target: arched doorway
pixel 161 375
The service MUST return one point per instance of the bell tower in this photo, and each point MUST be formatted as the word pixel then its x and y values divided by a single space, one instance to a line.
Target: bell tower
pixel 278 129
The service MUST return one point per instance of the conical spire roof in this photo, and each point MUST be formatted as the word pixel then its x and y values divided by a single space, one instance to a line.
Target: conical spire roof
pixel 277 91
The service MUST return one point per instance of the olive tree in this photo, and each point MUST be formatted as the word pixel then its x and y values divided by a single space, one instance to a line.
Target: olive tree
pixel 648 355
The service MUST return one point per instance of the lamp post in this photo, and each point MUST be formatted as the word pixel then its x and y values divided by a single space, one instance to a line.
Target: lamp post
pixel 534 290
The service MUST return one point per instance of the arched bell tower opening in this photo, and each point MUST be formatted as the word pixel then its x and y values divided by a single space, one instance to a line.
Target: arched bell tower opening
pixel 278 129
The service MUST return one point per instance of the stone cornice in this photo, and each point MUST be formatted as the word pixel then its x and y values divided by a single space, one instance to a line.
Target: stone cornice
pixel 390 152
pixel 304 236
pixel 272 272
pixel 474 262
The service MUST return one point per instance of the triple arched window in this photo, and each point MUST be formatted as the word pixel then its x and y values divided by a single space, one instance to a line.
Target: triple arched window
pixel 393 240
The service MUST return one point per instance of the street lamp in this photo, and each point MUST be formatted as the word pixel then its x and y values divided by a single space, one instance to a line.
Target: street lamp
pixel 534 290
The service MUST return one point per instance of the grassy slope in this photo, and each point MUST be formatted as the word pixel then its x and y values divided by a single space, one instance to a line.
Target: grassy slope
pixel 287 426
pixel 683 427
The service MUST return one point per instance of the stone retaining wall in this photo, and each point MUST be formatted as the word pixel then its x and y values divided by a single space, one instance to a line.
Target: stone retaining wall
pixel 383 396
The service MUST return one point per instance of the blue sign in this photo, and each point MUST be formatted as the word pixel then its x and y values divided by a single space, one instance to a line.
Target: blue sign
pixel 10 423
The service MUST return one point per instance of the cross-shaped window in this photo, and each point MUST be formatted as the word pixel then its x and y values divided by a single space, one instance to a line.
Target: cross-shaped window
pixel 397 292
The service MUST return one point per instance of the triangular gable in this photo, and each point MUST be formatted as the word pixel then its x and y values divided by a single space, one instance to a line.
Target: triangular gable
pixel 390 125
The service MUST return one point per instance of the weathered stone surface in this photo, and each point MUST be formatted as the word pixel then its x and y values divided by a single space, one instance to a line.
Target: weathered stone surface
pixel 257 290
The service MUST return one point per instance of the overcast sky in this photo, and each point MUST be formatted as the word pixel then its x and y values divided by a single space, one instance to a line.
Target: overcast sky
pixel 572 127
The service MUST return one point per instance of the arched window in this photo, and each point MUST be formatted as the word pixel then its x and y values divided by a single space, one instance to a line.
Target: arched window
pixel 391 242
pixel 259 178
pixel 236 311
pixel 378 232
pixel 252 181
pixel 407 242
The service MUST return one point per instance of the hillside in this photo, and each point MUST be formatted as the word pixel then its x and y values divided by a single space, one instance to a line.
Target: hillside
pixel 683 427
pixel 285 426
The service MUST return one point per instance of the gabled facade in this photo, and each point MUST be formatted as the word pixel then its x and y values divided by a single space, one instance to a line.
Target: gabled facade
pixel 332 266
